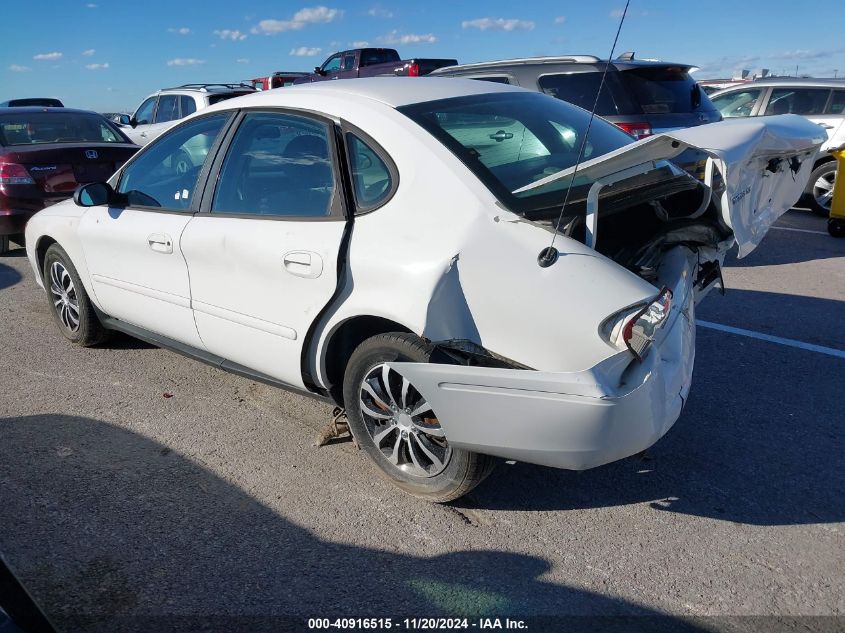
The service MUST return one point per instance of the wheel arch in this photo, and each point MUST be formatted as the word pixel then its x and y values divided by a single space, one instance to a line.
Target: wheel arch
pixel 342 341
pixel 44 242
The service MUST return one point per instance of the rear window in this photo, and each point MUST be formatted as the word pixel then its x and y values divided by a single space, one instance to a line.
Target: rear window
pixel 38 101
pixel 228 95
pixel 373 56
pixel 511 140
pixel 35 128
pixel 581 89
pixel 665 90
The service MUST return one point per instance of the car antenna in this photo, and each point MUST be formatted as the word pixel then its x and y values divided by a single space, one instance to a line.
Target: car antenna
pixel 549 255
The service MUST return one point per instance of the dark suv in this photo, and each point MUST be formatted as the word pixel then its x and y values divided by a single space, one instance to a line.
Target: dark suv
pixel 641 97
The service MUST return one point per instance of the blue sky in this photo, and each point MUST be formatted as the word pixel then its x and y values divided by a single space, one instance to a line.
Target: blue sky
pixel 107 54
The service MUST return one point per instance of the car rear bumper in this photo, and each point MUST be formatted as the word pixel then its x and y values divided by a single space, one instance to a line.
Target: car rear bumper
pixel 574 420
pixel 13 221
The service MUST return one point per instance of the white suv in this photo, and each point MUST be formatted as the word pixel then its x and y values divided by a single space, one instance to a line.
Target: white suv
pixel 822 101
pixel 162 110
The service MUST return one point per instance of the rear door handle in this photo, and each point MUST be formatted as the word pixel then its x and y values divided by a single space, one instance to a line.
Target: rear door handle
pixel 160 243
pixel 305 264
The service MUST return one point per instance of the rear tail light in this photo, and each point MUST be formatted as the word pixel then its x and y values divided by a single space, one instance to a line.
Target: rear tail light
pixel 637 130
pixel 414 70
pixel 636 328
pixel 14 174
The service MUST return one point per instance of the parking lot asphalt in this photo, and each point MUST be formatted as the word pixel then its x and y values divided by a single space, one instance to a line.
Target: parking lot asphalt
pixel 135 482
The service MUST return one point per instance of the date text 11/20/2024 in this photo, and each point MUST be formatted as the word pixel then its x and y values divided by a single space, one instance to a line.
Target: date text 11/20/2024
pixel 415 624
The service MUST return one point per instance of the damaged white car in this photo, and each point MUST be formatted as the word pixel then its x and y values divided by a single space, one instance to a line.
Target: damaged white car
pixel 399 246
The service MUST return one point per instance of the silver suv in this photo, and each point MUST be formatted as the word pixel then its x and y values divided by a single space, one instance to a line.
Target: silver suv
pixel 162 110
pixel 821 101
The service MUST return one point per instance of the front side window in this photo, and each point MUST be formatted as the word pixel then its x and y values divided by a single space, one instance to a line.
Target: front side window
pixel 739 103
pixel 277 165
pixel 144 115
pixel 165 172
pixel 371 179
pixel 511 140
pixel 333 65
pixel 35 128
pixel 806 101
pixel 168 109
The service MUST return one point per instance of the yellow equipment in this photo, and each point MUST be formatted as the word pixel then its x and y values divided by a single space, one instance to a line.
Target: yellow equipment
pixel 836 222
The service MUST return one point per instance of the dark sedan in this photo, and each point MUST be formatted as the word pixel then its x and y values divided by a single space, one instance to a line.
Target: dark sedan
pixel 45 153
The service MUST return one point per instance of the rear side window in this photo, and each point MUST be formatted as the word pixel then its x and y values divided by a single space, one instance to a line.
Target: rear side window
pixel 837 104
pixel 739 103
pixel 349 62
pixel 806 101
pixel 371 178
pixel 187 104
pixel 37 128
pixel 581 89
pixel 277 165
pixel 168 109
pixel 493 79
pixel 665 90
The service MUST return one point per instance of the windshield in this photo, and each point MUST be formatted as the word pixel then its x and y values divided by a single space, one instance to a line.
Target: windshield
pixel 35 128
pixel 666 90
pixel 513 139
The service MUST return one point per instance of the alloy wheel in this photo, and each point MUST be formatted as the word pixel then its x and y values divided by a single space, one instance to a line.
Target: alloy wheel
pixel 823 188
pixel 64 296
pixel 404 428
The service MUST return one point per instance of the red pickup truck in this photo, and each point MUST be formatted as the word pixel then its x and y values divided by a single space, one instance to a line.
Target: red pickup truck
pixel 372 62
pixel 276 80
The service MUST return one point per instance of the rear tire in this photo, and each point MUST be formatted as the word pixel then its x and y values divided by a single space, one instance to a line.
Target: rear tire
pixel 4 244
pixel 410 450
pixel 836 227
pixel 68 302
pixel 820 188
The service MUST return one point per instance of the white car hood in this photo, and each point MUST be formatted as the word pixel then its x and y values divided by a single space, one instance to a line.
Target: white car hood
pixel 755 157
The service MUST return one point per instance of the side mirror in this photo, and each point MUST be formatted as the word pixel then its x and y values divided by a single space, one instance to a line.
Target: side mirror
pixel 124 119
pixel 94 194
pixel 319 71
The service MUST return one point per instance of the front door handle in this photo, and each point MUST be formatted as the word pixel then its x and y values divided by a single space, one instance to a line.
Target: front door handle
pixel 160 243
pixel 305 264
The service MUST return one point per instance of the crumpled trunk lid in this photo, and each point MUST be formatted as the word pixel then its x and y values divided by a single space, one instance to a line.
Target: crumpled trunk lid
pixel 765 164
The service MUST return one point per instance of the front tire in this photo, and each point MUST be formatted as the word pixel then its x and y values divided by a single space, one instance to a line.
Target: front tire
pixel 68 302
pixel 391 421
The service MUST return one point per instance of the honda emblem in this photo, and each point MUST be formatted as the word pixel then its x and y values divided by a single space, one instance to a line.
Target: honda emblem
pixel 91 153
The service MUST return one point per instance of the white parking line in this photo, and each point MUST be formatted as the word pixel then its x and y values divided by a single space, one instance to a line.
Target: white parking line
pixel 838 353
pixel 787 228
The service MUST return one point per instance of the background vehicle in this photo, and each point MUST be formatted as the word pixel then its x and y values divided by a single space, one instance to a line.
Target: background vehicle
pixel 46 102
pixel 821 101
pixel 278 79
pixel 163 109
pixel 373 62
pixel 452 345
pixel 641 97
pixel 45 153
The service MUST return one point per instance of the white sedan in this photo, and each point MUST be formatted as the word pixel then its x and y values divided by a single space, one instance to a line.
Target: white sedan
pixel 402 247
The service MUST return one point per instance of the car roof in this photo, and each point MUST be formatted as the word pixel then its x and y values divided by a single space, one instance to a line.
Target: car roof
pixel 56 110
pixel 392 91
pixel 792 81
pixel 616 64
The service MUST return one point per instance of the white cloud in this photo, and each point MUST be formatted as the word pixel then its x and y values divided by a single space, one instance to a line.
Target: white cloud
pixel 300 19
pixel 17 68
pixel 97 66
pixel 90 5
pixel 88 53
pixel 617 13
pixel 227 34
pixel 242 60
pixel 48 56
pixel 182 30
pixel 394 37
pixel 185 61
pixel 498 24
pixel 305 51
pixel 360 44
pixel 560 19
pixel 380 12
